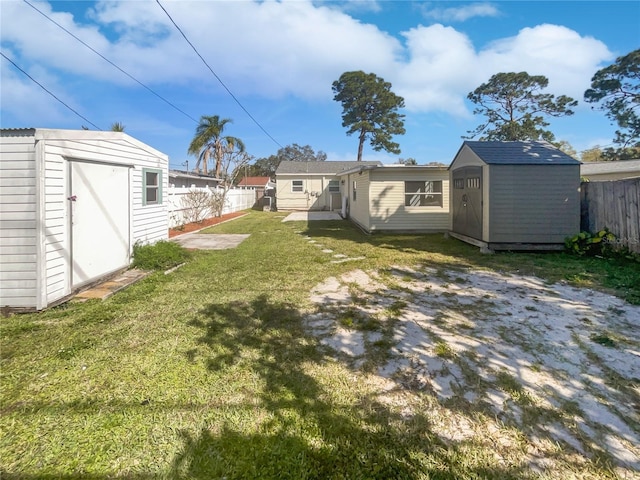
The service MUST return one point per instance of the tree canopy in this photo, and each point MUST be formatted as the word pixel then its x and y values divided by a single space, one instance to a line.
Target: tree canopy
pixel 617 89
pixel 117 127
pixel 516 109
pixel 208 139
pixel 266 167
pixel 370 109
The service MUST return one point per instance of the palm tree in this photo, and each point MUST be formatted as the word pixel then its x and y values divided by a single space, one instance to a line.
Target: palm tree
pixel 209 139
pixel 117 127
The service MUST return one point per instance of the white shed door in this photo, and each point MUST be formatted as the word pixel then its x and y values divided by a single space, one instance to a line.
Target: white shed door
pixel 100 212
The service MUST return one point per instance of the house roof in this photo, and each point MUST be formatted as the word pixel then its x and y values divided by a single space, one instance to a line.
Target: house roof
pixel 519 153
pixel 190 175
pixel 254 181
pixel 288 167
pixel 394 167
pixel 622 166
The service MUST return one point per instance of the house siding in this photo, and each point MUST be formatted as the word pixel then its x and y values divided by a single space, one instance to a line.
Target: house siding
pixel 359 209
pixel 388 210
pixel 18 222
pixel 533 203
pixel 149 223
pixel 305 200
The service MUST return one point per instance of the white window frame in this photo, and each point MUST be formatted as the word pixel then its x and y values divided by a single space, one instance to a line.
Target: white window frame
pixel 334 186
pixel 354 190
pixel 294 186
pixel 417 192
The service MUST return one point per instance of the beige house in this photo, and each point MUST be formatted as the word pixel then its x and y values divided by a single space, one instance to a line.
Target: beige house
pixel 311 185
pixel 607 171
pixel 401 198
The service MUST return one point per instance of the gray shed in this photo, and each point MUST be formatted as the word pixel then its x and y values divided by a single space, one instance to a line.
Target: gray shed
pixel 514 195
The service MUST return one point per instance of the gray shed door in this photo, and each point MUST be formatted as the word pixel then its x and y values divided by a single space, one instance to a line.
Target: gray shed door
pixel 467 201
pixel 99 220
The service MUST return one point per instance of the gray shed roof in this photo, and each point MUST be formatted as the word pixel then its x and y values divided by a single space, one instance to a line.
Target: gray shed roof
pixel 520 153
pixel 318 168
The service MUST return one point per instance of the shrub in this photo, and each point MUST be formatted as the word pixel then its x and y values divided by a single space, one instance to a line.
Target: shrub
pixel 162 255
pixel 586 244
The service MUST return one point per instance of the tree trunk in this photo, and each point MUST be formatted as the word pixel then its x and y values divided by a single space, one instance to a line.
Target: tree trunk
pixel 361 144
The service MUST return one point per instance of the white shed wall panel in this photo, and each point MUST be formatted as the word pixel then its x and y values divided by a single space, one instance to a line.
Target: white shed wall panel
pixel 18 234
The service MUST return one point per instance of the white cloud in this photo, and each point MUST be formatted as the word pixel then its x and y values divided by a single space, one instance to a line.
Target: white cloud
pixel 461 14
pixel 24 100
pixel 291 49
pixel 567 59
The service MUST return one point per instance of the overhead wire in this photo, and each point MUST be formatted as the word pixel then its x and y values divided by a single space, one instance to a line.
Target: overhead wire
pixel 217 77
pixel 110 62
pixel 49 92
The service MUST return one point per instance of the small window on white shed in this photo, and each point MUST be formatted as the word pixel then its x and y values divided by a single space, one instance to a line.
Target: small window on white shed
pixel 297 186
pixel 354 190
pixel 334 186
pixel 423 194
pixel 151 186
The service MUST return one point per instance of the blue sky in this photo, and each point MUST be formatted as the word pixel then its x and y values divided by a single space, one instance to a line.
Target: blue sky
pixel 280 58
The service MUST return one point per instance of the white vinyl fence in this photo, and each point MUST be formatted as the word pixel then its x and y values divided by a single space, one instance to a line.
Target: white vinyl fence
pixel 179 213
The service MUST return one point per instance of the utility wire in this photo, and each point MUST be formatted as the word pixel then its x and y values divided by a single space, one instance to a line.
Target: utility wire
pixel 110 62
pixel 217 77
pixel 42 87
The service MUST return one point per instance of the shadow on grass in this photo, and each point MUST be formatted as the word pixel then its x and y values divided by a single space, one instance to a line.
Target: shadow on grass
pixel 620 276
pixel 299 427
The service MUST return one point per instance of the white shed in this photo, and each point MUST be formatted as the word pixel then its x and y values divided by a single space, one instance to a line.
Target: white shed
pixel 72 205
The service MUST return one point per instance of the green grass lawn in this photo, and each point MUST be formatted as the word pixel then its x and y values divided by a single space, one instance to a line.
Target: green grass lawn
pixel 208 373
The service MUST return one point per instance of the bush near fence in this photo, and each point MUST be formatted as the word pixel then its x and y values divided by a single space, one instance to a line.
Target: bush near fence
pixel 614 205
pixel 237 199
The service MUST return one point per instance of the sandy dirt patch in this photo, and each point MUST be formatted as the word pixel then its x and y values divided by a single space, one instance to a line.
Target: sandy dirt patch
pixel 559 363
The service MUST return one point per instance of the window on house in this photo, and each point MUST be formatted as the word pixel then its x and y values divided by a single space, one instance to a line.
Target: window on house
pixel 151 186
pixel 297 186
pixel 334 186
pixel 423 193
pixel 354 190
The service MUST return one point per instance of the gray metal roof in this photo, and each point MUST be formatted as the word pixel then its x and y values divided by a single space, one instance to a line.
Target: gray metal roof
pixel 620 166
pixel 318 168
pixel 520 153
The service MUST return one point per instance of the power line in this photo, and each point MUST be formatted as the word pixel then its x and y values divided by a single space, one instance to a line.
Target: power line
pixel 217 77
pixel 110 62
pixel 42 87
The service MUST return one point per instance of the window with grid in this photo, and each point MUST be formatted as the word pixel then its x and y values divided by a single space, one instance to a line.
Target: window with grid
pixel 423 193
pixel 334 186
pixel 297 186
pixel 151 186
pixel 354 190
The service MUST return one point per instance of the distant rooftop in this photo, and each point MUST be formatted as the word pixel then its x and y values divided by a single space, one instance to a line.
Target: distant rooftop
pixel 318 168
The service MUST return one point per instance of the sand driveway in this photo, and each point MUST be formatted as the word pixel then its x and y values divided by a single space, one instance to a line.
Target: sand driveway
pixel 559 364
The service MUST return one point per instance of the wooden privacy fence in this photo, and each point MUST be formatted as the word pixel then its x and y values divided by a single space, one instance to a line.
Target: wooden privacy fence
pixel 613 205
pixel 237 199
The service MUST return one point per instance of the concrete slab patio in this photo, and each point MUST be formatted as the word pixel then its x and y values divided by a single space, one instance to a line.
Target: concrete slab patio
pixel 204 241
pixel 311 216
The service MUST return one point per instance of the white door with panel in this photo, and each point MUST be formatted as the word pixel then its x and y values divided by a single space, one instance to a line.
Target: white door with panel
pixel 100 220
